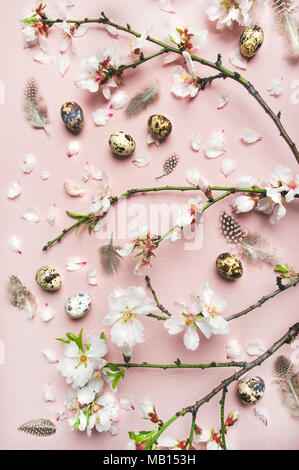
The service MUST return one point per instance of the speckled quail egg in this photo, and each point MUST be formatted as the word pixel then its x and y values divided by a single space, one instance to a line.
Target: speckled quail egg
pixel 159 126
pixel 251 40
pixel 77 305
pixel 229 266
pixel 251 390
pixel 122 144
pixel 72 116
pixel 48 278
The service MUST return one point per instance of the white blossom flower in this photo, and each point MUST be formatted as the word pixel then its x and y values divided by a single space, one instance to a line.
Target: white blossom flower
pixel 98 70
pixel 186 38
pixel 124 308
pixel 226 12
pixel 79 364
pixel 185 83
pixel 211 306
pixel 196 178
pixel 104 415
pixel 33 28
pixel 188 321
pixel 284 180
pixel 201 434
pixel 243 203
pixel 137 43
pixel 101 199
pixel 69 31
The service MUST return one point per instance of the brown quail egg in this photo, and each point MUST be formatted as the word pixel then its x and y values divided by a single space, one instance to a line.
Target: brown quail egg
pixel 251 40
pixel 122 144
pixel 229 266
pixel 72 116
pixel 48 278
pixel 159 126
pixel 251 390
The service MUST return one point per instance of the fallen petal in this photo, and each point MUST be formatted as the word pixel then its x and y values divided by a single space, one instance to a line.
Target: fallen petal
pixel 228 165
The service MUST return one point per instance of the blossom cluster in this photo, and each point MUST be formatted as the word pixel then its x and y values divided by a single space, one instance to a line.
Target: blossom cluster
pixel 83 368
pixel 226 12
pixel 282 188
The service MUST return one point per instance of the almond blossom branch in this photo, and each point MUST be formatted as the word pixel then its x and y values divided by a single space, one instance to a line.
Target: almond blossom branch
pixel 224 72
pixel 177 365
pixel 192 429
pixel 286 339
pixel 264 299
pixel 160 306
pixel 222 402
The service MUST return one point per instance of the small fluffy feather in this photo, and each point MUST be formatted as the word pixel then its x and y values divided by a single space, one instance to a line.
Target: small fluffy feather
pixel 252 246
pixel 110 258
pixel 169 165
pixel 140 101
pixel 38 427
pixel 21 297
pixel 35 111
pixel 289 384
pixel 287 20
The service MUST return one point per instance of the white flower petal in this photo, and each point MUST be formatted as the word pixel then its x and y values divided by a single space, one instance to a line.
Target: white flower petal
pixel 165 5
pixel 31 215
pixel 51 214
pixel 101 116
pixel 49 394
pixel 29 163
pixel 15 244
pixel 50 356
pixel 73 189
pixel 275 86
pixel 141 160
pixel 249 136
pixel 63 62
pixel 234 351
pixel 43 58
pixel 72 148
pixel 86 174
pixel 196 140
pixel 126 402
pixel 261 414
pixel 242 204
pixel 228 165
pixel 223 100
pixel 14 190
pixel 92 277
pixel 215 145
pixel 111 30
pixel 237 60
pixel 151 140
pixel 119 99
pixel 44 174
pixel 47 313
pixel 191 339
pixel 74 263
pixel 255 349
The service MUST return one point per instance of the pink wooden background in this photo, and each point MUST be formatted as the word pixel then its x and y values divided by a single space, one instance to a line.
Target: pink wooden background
pixel 176 273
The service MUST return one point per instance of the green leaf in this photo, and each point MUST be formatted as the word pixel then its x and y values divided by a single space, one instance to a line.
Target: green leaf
pixel 76 340
pixel 280 269
pixel 142 436
pixel 90 228
pixel 75 216
pixel 77 229
pixel 117 377
pixel 103 335
pixel 86 412
pixel 63 340
pixel 113 367
pixel 80 339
